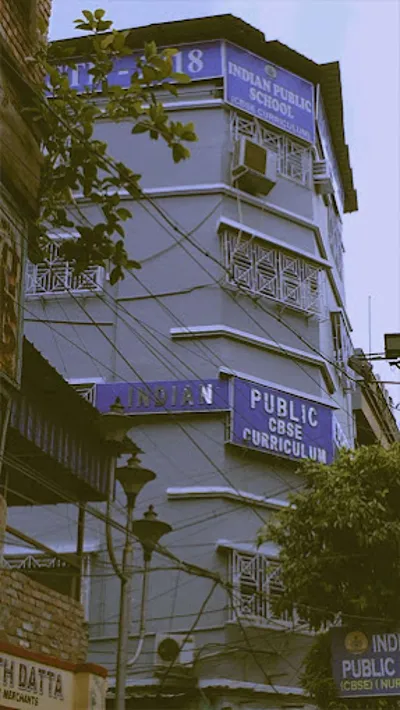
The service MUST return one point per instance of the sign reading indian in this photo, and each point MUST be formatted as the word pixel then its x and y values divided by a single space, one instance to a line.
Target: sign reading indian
pixel 164 396
pixel 366 663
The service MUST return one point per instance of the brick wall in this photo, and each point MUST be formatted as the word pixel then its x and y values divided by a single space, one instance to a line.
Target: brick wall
pixel 18 27
pixel 19 139
pixel 39 619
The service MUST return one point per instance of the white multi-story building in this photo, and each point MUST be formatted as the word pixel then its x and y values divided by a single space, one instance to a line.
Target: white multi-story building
pixel 229 349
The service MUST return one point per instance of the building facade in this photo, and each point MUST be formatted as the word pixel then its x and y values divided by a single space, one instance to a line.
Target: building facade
pixel 44 457
pixel 229 349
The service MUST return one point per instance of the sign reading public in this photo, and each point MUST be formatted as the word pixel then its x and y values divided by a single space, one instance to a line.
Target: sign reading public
pixel 273 94
pixel 162 397
pixel 366 663
pixel 268 420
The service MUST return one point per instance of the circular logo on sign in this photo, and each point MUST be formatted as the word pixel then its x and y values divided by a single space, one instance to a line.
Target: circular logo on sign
pixel 356 642
pixel 270 71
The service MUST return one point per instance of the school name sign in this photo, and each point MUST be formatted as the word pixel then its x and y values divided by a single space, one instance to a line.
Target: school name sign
pixel 251 83
pixel 366 663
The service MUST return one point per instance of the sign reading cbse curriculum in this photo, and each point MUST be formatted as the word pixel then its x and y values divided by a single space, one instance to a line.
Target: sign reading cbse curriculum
pixel 271 421
pixel 273 94
pixel 366 663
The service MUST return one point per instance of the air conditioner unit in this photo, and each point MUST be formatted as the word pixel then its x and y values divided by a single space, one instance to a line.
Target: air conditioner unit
pixel 254 166
pixel 174 648
pixel 322 177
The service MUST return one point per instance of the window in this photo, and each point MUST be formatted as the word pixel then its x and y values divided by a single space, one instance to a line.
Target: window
pixel 56 275
pixel 257 584
pixel 342 348
pixel 294 159
pixel 335 238
pixel 272 272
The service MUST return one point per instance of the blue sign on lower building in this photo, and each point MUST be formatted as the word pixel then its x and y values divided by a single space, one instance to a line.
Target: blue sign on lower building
pixel 268 420
pixel 165 396
pixel 365 663
pixel 269 92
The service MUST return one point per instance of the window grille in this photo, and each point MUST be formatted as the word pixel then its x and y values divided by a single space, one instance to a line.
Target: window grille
pixel 257 583
pixel 53 572
pixel 87 391
pixel 56 275
pixel 294 159
pixel 335 239
pixel 342 348
pixel 275 273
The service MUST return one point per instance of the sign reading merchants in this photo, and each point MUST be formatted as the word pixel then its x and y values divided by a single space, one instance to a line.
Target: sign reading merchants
pixel 366 663
pixel 271 421
pixel 24 684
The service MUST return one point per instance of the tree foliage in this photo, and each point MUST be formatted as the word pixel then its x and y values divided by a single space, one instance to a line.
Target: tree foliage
pixel 75 162
pixel 339 552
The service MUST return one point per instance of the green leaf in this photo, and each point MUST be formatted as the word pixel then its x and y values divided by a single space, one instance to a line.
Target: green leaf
pixel 150 49
pixel 106 41
pixel 189 136
pixel 180 77
pixel 104 25
pixel 149 74
pixel 99 13
pixel 132 264
pixel 171 88
pixel 170 52
pixel 140 128
pixel 83 26
pixel 123 213
pixel 88 15
pixel 116 275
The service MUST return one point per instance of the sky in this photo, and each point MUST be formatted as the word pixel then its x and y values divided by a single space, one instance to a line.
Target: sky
pixel 364 36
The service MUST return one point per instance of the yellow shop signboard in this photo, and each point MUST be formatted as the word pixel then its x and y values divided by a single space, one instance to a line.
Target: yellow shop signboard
pixel 30 680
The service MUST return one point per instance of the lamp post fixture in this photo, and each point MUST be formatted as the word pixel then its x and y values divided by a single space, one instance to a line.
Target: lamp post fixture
pixel 115 426
pixel 132 477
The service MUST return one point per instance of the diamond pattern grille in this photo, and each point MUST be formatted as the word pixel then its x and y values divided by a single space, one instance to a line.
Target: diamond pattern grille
pixel 272 272
pixel 257 584
pixel 55 275
pixel 294 159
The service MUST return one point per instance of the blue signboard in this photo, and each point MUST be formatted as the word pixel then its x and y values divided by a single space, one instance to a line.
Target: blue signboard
pixel 271 421
pixel 165 396
pixel 366 663
pixel 199 61
pixel 272 94
pixel 252 84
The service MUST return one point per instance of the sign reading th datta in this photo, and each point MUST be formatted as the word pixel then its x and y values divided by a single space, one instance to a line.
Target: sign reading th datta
pixel 25 683
pixel 31 680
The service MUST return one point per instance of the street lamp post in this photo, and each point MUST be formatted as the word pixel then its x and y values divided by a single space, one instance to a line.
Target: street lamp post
pixel 115 425
pixel 132 477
